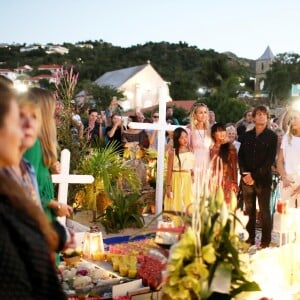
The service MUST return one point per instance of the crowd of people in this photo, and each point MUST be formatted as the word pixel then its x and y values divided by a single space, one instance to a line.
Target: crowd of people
pixel 29 232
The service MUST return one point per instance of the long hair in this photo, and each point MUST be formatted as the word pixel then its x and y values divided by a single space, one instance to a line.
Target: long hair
pixel 193 117
pixel 17 198
pixel 47 135
pixel 290 131
pixel 177 133
pixel 224 148
pixel 6 96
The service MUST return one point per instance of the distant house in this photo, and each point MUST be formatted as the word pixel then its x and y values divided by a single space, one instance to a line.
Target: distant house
pixel 57 49
pixel 36 79
pixel 23 69
pixel 52 68
pixel 8 73
pixel 29 48
pixel 142 86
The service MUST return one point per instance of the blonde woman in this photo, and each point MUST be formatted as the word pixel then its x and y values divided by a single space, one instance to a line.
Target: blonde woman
pixel 200 139
pixel 43 154
pixel 288 163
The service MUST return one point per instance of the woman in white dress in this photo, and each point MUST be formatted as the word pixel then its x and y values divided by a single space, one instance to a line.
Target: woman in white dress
pixel 288 163
pixel 200 139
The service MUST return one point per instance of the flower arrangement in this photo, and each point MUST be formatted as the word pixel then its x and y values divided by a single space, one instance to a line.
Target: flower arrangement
pixel 209 256
pixel 86 279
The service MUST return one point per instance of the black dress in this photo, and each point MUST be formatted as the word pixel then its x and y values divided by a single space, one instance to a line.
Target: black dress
pixel 26 269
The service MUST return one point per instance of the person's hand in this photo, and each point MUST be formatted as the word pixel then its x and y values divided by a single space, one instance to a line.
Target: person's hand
pixel 169 192
pixel 247 179
pixel 55 168
pixel 70 243
pixel 296 191
pixel 63 210
pixel 235 188
pixel 286 182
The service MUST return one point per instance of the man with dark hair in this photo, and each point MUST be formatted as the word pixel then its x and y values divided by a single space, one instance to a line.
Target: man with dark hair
pixel 256 157
pixel 92 128
pixel 245 124
pixel 169 115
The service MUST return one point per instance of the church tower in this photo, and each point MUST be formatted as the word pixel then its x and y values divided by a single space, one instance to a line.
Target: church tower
pixel 263 64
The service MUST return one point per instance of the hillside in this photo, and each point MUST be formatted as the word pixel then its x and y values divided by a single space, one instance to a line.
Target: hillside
pixel 186 67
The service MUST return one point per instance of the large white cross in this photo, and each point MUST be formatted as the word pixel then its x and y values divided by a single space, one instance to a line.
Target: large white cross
pixel 64 178
pixel 162 127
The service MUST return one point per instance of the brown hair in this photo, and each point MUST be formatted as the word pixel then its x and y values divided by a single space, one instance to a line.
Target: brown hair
pixel 6 96
pixel 17 198
pixel 261 108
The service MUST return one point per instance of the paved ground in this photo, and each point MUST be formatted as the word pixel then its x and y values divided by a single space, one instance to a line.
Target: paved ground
pixel 83 220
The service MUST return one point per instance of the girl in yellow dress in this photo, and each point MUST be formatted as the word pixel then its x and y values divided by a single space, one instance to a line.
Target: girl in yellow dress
pixel 179 180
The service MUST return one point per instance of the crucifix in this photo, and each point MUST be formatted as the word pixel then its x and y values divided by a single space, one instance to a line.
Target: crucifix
pixel 162 127
pixel 64 178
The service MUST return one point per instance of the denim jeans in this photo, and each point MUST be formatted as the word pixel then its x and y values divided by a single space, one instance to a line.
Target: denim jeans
pixel 263 194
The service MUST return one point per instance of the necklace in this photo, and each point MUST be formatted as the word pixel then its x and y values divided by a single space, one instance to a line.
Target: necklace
pixel 199 133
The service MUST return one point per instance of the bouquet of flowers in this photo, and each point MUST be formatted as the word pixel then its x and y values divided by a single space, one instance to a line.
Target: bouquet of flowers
pixel 210 256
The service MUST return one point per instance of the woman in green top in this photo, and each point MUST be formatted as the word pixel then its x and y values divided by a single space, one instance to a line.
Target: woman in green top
pixel 43 155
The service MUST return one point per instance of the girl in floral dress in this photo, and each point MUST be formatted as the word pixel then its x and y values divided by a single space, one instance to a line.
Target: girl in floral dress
pixel 224 153
pixel 179 180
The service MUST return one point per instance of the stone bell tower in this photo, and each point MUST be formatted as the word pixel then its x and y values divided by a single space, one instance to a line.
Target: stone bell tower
pixel 262 65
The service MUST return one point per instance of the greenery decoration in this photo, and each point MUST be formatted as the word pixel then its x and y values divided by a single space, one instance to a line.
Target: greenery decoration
pixel 125 211
pixel 209 256
pixel 109 171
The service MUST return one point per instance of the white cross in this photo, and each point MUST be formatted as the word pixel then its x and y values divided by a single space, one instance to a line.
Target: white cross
pixel 64 178
pixel 162 127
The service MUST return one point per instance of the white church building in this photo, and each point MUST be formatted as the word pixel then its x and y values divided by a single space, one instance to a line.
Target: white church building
pixel 142 86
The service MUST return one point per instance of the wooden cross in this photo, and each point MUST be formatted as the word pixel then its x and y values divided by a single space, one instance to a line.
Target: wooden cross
pixel 162 127
pixel 64 178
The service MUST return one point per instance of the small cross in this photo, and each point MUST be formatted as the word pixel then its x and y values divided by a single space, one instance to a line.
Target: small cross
pixel 64 178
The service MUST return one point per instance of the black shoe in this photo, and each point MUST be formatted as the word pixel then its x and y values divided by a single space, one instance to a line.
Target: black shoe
pixel 264 245
pixel 250 241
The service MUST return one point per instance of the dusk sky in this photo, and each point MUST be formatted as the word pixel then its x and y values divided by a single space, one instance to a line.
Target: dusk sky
pixel 245 28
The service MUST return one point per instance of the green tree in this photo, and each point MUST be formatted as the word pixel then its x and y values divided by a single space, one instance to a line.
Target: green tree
pixel 284 72
pixel 100 97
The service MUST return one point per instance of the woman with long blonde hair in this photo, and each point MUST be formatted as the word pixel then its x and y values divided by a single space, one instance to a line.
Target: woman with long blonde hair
pixel 288 162
pixel 200 137
pixel 43 155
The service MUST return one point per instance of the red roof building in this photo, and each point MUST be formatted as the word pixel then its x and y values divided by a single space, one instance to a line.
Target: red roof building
pixel 51 68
